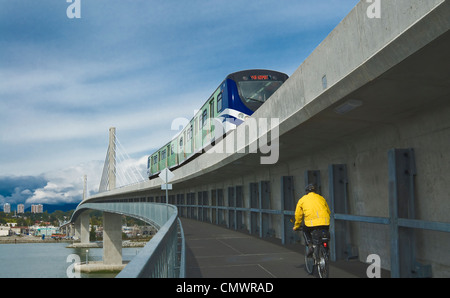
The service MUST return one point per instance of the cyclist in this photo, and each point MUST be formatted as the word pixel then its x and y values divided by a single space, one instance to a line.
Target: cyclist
pixel 315 211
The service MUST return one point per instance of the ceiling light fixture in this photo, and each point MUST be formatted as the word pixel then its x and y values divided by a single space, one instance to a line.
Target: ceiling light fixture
pixel 348 106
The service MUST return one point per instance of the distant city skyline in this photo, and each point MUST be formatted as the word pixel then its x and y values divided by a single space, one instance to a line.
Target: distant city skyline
pixel 20 208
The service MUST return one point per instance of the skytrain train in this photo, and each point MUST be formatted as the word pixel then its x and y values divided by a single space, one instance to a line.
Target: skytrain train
pixel 236 98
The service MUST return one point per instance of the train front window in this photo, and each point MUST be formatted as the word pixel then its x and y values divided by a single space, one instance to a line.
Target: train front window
pixel 255 93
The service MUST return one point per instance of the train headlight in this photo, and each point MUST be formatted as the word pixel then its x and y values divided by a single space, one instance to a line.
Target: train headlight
pixel 241 115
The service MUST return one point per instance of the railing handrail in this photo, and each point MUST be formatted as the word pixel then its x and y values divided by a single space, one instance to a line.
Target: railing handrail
pixel 159 257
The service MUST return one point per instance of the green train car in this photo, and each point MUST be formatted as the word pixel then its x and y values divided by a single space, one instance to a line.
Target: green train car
pixel 236 98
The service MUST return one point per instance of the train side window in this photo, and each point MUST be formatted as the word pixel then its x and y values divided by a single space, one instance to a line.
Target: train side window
pixel 189 132
pixel 163 154
pixel 181 143
pixel 204 117
pixel 219 102
pixel 211 107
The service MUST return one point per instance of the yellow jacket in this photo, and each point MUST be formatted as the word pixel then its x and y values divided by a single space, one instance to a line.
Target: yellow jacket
pixel 315 210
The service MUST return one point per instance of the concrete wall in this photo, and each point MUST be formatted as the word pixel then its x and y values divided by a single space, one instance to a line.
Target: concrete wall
pixel 366 157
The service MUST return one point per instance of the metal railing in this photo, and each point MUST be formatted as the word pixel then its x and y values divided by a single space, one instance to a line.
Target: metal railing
pixel 164 255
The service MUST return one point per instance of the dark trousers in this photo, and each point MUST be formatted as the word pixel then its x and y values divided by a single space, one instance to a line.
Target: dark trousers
pixel 308 230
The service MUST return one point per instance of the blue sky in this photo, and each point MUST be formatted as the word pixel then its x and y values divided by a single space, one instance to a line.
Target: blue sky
pixel 132 64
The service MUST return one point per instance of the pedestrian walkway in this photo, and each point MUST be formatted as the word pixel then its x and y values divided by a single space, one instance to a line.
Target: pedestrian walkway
pixel 216 252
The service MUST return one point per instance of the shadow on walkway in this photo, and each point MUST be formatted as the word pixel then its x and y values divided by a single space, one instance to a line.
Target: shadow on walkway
pixel 216 252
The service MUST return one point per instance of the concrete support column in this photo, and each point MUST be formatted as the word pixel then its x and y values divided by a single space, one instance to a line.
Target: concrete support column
pixel 84 227
pixel 112 239
pixel 77 228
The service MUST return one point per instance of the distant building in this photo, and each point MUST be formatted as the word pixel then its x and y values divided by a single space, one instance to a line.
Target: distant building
pixel 20 208
pixel 39 208
pixel 7 208
pixel 47 231
pixel 4 230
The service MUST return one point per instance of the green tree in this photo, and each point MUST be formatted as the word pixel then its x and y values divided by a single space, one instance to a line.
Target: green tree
pixel 92 235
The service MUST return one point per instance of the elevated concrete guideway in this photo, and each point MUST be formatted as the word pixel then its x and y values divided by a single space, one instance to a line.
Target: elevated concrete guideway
pixel 369 60
pixel 372 86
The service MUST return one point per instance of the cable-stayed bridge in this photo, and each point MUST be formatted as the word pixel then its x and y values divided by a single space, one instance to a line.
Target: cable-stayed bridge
pixel 119 171
pixel 366 117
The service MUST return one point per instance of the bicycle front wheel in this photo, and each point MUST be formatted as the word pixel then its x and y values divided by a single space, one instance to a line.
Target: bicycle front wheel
pixel 323 264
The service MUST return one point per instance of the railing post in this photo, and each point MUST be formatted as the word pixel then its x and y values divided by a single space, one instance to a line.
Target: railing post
pixel 402 170
pixel 339 230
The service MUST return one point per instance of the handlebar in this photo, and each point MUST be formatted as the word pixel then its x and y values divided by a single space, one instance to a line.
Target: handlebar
pixel 300 229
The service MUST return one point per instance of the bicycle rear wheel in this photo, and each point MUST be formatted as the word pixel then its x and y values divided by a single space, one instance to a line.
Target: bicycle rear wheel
pixel 309 261
pixel 323 264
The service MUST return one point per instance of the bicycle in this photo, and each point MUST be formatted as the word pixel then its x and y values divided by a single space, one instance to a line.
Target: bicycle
pixel 320 256
pixel 321 252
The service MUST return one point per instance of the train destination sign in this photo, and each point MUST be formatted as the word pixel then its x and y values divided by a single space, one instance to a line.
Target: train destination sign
pixel 259 77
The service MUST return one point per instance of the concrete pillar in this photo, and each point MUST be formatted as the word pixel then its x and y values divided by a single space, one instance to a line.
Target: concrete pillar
pixel 77 227
pixel 70 230
pixel 84 229
pixel 112 239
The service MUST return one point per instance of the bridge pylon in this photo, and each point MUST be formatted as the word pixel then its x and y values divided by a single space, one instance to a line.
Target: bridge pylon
pixel 112 223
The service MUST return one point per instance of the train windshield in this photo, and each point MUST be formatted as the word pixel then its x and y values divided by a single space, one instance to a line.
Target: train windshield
pixel 255 93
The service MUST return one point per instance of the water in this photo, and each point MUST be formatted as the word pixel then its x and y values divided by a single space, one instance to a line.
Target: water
pixel 35 260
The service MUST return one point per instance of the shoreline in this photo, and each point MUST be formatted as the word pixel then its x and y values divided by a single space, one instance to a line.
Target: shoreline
pixel 99 244
pixel 72 243
pixel 28 239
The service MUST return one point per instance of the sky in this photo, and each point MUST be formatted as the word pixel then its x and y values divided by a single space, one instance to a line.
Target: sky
pixel 131 64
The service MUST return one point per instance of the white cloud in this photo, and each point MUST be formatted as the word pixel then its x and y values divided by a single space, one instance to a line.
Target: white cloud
pixel 66 185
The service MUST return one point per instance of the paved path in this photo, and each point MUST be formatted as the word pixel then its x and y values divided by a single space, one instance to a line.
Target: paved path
pixel 217 252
